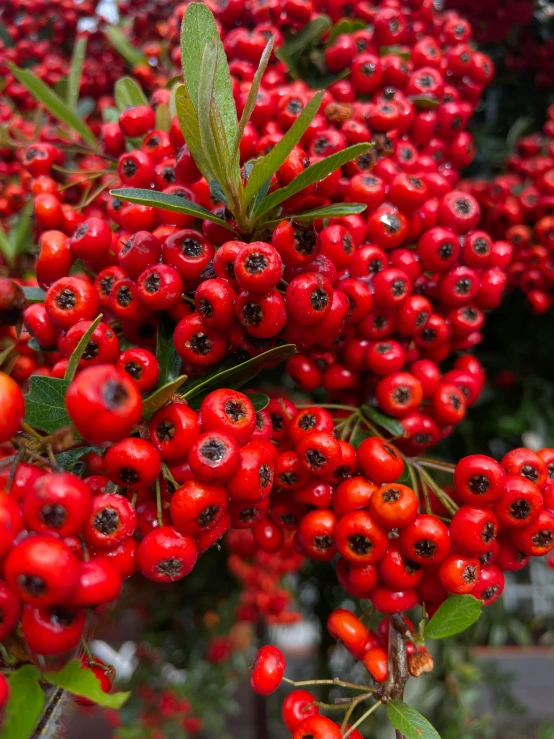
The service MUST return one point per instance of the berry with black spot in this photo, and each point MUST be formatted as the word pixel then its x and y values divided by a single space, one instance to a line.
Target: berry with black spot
pixel 133 463
pixel 165 555
pixel 112 520
pixel 58 502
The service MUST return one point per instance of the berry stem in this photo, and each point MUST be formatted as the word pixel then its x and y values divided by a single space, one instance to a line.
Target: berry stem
pixel 362 718
pixel 335 681
pixel 159 502
pixel 444 498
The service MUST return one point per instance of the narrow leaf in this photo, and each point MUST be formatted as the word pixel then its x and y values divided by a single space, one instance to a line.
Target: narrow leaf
pixel 80 680
pixel 315 173
pixel 168 202
pixel 409 722
pixel 345 25
pixel 45 403
pixel 188 121
pixel 198 28
pixel 252 95
pixel 233 374
pixel 168 359
pixel 424 102
pixel 391 425
pixel 25 703
pixel 21 239
pixel 337 210
pixel 79 350
pixel 54 104
pixel 258 400
pixel 161 396
pixel 75 72
pixel 456 614
pixel 128 94
pixel 120 43
pixel 208 62
pixel 34 294
pixel 266 167
pixel 163 119
pixel 297 44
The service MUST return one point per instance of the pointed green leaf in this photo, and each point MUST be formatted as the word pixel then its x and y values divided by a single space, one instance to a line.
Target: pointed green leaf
pixel 5 36
pixel 337 210
pixel 252 95
pixel 345 25
pixel 456 614
pixel 128 94
pixel 69 459
pixel 258 400
pixel 266 167
pixel 80 680
pixel 296 45
pixel 25 703
pixel 53 103
pixel 163 119
pixel 34 294
pixel 161 396
pixel 118 41
pixel 391 425
pixel 21 237
pixel 188 121
pixel 409 722
pixel 168 202
pixel 233 374
pixel 168 359
pixel 78 352
pixel 424 102
pixel 75 72
pixel 315 173
pixel 45 403
pixel 198 28
pixel 208 62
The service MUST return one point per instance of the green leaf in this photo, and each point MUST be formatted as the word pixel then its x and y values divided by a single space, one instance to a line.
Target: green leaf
pixel 199 27
pixel 75 72
pixel 315 173
pixel 345 25
pixel 520 126
pixel 5 36
pixel 391 425
pixel 69 459
pixel 396 50
pixel 80 680
pixel 456 614
pixel 233 375
pixel 360 434
pixel 75 357
pixel 266 167
pixel 161 396
pixel 21 238
pixel 218 160
pixel 168 359
pixel 163 119
pixel 252 96
pixel 424 102
pixel 54 104
pixel 258 400
pixel 128 94
pixel 188 122
pixel 337 210
pixel 296 45
pixel 45 403
pixel 34 294
pixel 118 40
pixel 168 202
pixel 86 106
pixel 25 703
pixel 409 722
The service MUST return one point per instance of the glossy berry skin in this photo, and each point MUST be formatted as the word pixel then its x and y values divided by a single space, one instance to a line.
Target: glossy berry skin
pixel 173 430
pixel 214 457
pixel 103 403
pixel 258 267
pixel 100 582
pixel 479 480
pixel 473 529
pixel 11 522
pixel 520 504
pixel 346 627
pixel 309 298
pixel 394 506
pixel 267 670
pixel 490 585
pixel 159 286
pixel 71 299
pixel 459 573
pixel 358 581
pixel 359 539
pixel 141 366
pixel 425 541
pixel 12 407
pixel 319 453
pixel 198 506
pixel 52 630
pixel 352 494
pixel 164 555
pixel 397 571
pixel 230 411
pixel 58 503
pixel 526 463
pixel 537 538
pixel 317 727
pixel 111 521
pixel 376 663
pixel 133 463
pixel 10 609
pixel 297 706
pixel 33 568
pixel 393 601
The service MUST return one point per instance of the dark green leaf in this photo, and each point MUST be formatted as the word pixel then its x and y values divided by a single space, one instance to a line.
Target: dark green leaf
pixel 345 25
pixel 337 210
pixel 218 160
pixel 359 435
pixel 315 173
pixel 168 359
pixel 53 103
pixel 217 193
pixel 391 425
pixel 5 36
pixel 75 72
pixel 266 167
pixel 118 40
pixel 456 614
pixel 234 374
pixel 34 294
pixel 296 45
pixel 168 202
pixel 45 403
pixel 25 703
pixel 258 400
pixel 5 353
pixel 75 358
pixel 188 122
pixel 424 102
pixel 80 680
pixel 199 27
pixel 161 396
pixel 520 126
pixel 128 94
pixel 252 95
pixel 68 460
pixel 409 722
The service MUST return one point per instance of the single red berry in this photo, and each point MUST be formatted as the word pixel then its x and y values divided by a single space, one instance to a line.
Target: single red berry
pixel 59 503
pixel 112 520
pixel 472 530
pixel 267 670
pixel 133 463
pixel 164 555
pixel 51 630
pixel 426 540
pixel 297 706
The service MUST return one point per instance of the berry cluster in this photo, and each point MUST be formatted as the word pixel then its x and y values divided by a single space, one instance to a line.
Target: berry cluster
pixel 517 206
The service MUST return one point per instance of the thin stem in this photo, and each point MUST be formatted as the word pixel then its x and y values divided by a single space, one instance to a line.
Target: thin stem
pixel 436 466
pixel 429 462
pixel 413 478
pixel 444 498
pixel 159 502
pixel 362 718
pixel 351 708
pixel 334 681
pixel 166 472
pixel 31 431
pixel 334 406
